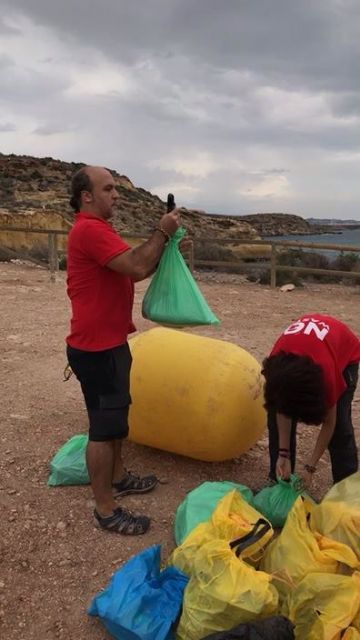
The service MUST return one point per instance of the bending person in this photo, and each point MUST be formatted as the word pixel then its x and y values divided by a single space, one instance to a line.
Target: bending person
pixel 310 377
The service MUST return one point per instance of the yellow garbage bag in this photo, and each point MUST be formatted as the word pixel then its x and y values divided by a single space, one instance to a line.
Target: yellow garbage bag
pixel 356 621
pixel 355 628
pixel 223 591
pixel 323 605
pixel 338 515
pixel 233 518
pixel 298 550
pixel 351 634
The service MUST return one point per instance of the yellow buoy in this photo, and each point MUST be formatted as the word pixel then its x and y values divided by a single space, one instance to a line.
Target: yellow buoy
pixel 195 396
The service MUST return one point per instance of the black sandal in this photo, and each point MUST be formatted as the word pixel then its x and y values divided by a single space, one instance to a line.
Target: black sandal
pixel 134 484
pixel 123 521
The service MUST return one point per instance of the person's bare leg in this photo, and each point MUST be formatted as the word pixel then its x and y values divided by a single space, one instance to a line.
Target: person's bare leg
pixel 118 468
pixel 100 464
pixel 127 482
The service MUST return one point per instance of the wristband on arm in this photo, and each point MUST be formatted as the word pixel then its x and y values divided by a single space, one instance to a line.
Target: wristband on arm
pixel 164 233
pixel 284 453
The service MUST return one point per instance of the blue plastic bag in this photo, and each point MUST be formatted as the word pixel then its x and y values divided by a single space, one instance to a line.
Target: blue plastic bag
pixel 141 602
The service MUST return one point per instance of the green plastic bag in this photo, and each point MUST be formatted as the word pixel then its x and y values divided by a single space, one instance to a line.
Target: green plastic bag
pixel 275 502
pixel 68 466
pixel 200 503
pixel 173 297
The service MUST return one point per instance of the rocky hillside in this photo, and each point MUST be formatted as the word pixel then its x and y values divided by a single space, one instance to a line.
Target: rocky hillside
pixel 34 193
pixel 334 225
pixel 30 186
pixel 279 224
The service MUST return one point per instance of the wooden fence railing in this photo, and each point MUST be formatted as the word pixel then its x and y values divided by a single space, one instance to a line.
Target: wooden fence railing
pixel 275 245
pixel 272 264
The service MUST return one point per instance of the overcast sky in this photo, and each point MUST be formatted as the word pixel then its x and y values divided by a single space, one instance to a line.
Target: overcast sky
pixel 237 106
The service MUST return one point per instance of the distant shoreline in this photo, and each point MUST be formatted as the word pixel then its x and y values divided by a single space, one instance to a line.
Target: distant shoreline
pixel 348 236
pixel 335 228
pixel 319 230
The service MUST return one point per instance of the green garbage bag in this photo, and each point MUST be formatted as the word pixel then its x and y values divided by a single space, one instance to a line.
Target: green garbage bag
pixel 173 297
pixel 275 502
pixel 199 504
pixel 68 466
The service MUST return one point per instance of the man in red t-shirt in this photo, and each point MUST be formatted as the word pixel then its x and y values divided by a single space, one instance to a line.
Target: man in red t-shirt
pixel 102 270
pixel 311 376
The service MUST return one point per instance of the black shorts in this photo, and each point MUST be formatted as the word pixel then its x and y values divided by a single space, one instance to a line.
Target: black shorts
pixel 105 382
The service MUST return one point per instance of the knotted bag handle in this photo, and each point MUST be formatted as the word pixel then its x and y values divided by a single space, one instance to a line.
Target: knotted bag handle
pixel 260 528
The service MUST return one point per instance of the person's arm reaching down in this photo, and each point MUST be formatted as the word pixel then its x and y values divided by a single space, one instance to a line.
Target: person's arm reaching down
pixel 322 442
pixel 283 465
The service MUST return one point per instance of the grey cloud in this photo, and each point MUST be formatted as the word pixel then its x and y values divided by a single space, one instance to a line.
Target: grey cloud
pixel 5 61
pixel 290 45
pixel 346 104
pixel 198 70
pixel 54 128
pixel 255 129
pixel 6 127
pixel 279 40
pixel 6 29
pixel 25 86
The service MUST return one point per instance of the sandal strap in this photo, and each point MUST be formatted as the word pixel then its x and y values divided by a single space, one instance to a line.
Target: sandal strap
pixel 123 521
pixel 135 483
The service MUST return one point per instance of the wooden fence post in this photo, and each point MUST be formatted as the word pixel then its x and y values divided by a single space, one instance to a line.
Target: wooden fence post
pixel 56 252
pixel 273 267
pixel 53 256
pixel 191 257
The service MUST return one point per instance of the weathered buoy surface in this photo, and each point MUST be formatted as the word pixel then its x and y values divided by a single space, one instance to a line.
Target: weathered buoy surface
pixel 195 396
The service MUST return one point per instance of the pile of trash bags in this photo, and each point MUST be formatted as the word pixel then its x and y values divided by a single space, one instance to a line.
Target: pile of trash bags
pixel 233 575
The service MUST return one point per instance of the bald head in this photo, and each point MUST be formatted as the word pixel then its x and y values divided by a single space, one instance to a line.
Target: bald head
pixel 96 173
pixel 93 190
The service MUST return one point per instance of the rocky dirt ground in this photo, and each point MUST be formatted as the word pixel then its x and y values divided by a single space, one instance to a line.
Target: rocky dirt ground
pixel 52 558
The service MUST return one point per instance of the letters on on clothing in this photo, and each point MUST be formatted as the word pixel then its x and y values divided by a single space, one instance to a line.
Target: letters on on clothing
pixel 328 342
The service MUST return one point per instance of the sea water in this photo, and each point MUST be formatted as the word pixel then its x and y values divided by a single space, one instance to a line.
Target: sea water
pixel 346 237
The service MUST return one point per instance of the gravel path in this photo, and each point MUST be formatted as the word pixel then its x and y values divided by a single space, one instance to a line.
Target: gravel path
pixel 52 559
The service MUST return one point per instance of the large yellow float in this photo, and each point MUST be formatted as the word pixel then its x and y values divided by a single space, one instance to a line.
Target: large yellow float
pixel 195 396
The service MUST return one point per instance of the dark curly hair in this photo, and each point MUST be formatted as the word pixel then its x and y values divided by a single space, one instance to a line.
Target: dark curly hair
pixel 295 387
pixel 80 182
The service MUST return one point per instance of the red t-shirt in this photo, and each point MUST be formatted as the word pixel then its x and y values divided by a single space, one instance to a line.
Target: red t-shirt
pixel 101 299
pixel 328 342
